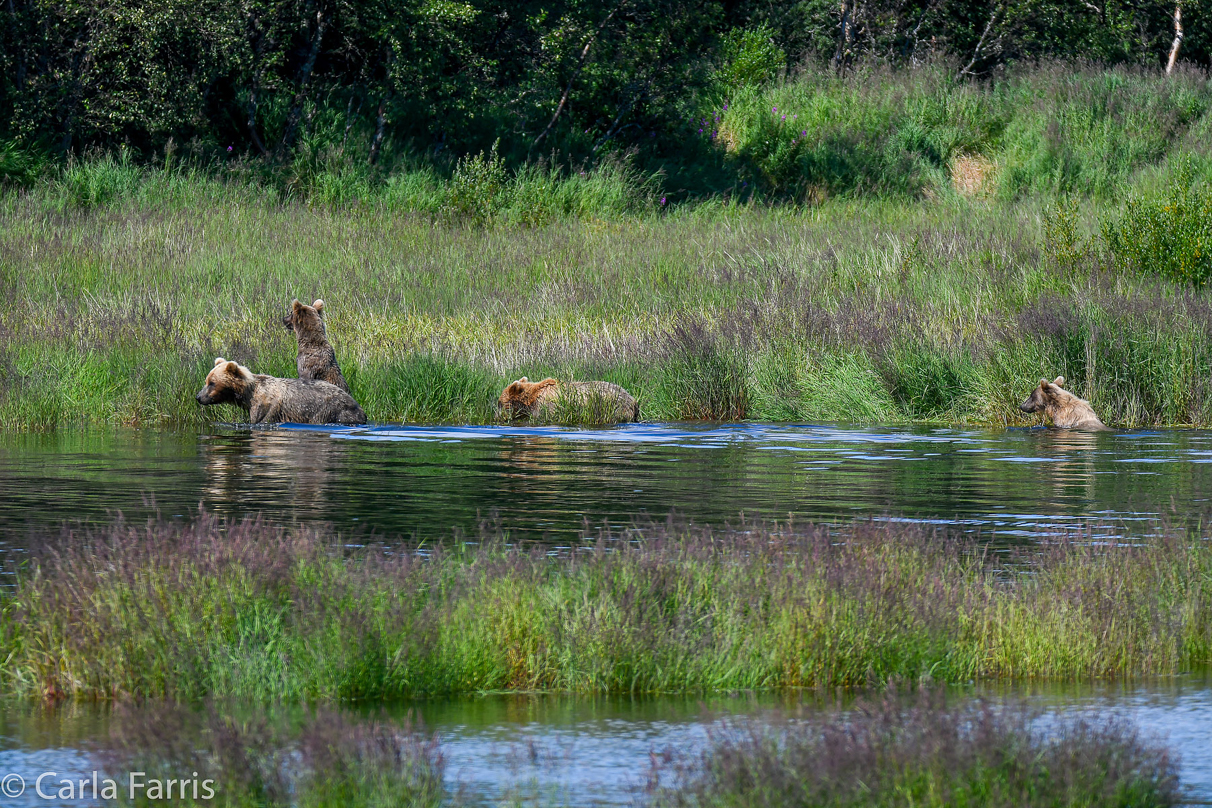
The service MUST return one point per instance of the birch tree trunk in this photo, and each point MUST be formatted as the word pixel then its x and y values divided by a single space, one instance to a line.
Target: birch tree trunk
pixel 1178 38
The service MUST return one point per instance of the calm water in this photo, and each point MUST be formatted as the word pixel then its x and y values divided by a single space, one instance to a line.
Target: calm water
pixel 550 481
pixel 580 751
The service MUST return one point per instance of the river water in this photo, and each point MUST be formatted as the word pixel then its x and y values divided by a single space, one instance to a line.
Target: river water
pixel 550 483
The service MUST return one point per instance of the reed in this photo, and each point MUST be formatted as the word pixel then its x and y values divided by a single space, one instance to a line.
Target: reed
pixel 253 611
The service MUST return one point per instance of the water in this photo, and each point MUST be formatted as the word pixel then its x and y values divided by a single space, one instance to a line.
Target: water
pixel 550 482
pixel 590 751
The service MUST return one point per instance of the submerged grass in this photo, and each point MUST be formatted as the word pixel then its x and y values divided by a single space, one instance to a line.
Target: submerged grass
pixel 898 748
pixel 246 610
pixel 924 751
pixel 242 758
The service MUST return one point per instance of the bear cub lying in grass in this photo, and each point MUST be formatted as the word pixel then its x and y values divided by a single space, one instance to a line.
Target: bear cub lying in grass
pixel 317 359
pixel 1065 409
pixel 270 400
pixel 551 398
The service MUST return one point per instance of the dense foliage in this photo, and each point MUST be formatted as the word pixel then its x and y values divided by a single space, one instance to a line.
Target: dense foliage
pixel 379 82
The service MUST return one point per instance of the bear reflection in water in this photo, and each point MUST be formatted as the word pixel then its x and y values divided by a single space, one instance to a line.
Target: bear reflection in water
pixel 270 400
pixel 262 466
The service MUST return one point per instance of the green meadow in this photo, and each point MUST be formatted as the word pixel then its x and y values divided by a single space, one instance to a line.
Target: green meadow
pixel 905 248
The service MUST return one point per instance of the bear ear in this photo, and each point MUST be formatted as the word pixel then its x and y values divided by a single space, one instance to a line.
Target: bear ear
pixel 1059 381
pixel 1043 383
pixel 524 380
pixel 318 305
pixel 295 305
pixel 219 361
pixel 234 369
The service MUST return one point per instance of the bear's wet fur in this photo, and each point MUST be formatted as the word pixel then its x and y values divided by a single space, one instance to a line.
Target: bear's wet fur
pixel 317 359
pixel 1065 409
pixel 270 400
pixel 602 401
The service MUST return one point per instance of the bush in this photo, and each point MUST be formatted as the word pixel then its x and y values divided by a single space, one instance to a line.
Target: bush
pixel 1170 237
pixel 749 57
pixel 477 186
pixel 88 184
pixel 17 166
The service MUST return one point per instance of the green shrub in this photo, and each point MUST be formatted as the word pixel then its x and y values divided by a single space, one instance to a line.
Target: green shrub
pixel 1170 236
pixel 87 184
pixel 18 166
pixel 749 57
pixel 477 186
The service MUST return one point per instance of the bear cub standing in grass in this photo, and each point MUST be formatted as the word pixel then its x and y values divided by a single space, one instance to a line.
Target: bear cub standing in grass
pixel 1065 409
pixel 270 400
pixel 317 359
pixel 597 401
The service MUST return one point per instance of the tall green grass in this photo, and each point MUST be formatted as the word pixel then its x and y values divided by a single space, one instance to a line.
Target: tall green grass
pixel 1074 245
pixel 244 610
pixel 947 311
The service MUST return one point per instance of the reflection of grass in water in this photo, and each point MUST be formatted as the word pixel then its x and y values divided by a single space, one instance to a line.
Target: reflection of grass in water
pixel 923 751
pixel 115 314
pixel 247 610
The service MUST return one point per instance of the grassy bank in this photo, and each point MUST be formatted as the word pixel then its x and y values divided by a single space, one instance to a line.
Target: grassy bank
pixel 245 610
pixel 945 311
pixel 929 266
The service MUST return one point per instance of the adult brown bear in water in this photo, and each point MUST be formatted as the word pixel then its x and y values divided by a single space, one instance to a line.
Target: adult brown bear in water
pixel 270 400
pixel 550 398
pixel 1064 408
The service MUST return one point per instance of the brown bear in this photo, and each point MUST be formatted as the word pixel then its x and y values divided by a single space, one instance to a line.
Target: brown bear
pixel 270 400
pixel 1065 409
pixel 597 400
pixel 317 359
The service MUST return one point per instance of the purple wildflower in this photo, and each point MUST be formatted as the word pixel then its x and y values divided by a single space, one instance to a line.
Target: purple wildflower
pixel 774 109
pixel 662 200
pixel 229 149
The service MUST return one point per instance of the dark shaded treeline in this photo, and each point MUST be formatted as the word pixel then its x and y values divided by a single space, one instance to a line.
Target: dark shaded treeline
pixel 374 80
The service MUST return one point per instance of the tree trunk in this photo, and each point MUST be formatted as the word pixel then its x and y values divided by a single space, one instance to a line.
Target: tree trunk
pixel 296 111
pixel 1178 38
pixel 576 72
pixel 252 120
pixel 980 45
pixel 380 123
pixel 843 43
